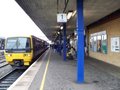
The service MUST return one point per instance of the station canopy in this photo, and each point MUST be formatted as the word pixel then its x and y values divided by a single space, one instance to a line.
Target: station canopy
pixel 44 12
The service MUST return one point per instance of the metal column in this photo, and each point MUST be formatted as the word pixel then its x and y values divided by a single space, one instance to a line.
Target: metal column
pixel 80 46
pixel 64 44
pixel 60 47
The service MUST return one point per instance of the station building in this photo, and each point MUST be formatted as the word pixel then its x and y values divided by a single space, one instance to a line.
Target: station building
pixel 103 39
pixel 52 70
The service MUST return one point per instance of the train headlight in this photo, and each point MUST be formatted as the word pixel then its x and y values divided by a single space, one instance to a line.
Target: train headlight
pixel 9 55
pixel 27 55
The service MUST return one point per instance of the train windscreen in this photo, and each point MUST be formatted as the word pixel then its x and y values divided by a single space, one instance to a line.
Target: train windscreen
pixel 18 44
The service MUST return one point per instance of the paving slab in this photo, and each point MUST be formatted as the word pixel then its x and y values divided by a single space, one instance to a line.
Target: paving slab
pixel 61 75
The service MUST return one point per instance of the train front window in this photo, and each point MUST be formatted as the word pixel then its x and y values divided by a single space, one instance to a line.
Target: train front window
pixel 19 44
pixel 23 43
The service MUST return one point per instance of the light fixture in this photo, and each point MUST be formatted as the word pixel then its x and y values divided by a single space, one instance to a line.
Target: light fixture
pixel 58 32
pixel 69 15
pixel 61 27
pixel 74 13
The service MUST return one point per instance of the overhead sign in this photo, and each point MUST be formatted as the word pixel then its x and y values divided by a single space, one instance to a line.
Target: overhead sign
pixel 61 18
pixel 115 44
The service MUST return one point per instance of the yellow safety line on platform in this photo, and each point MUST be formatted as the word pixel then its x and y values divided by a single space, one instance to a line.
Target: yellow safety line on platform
pixel 17 81
pixel 44 76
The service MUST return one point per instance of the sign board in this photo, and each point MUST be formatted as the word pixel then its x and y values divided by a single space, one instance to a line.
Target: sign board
pixel 115 44
pixel 61 18
pixel 98 33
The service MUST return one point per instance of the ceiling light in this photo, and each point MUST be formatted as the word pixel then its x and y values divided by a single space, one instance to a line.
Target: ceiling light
pixel 61 27
pixel 69 15
pixel 58 32
pixel 74 13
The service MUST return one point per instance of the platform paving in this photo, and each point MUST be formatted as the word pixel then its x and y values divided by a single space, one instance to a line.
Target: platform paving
pixel 61 75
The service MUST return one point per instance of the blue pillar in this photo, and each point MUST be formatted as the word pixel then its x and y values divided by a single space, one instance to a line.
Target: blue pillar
pixel 60 42
pixel 59 47
pixel 64 44
pixel 80 46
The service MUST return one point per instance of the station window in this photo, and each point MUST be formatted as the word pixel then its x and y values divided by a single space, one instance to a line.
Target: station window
pixel 98 42
pixel 104 44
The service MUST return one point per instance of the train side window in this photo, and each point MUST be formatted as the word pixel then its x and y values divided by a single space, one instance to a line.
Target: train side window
pixel 28 43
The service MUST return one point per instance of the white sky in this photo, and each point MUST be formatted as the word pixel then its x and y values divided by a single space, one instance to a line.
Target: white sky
pixel 15 22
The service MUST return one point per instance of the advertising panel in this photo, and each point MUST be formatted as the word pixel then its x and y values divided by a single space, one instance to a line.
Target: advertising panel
pixel 98 42
pixel 104 44
pixel 115 44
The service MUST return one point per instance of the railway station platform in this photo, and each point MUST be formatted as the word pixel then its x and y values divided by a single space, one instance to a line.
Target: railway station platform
pixel 50 72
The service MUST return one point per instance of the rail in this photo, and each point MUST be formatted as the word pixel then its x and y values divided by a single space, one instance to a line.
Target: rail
pixel 10 78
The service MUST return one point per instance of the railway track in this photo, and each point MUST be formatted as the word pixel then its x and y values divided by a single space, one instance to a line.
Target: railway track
pixel 3 63
pixel 10 78
pixel 2 57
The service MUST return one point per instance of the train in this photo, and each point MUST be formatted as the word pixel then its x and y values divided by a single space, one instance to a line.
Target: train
pixel 22 51
pixel 2 42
